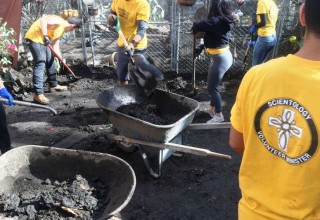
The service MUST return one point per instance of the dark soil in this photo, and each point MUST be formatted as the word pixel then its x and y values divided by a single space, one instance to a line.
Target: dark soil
pixel 144 111
pixel 190 187
pixel 51 199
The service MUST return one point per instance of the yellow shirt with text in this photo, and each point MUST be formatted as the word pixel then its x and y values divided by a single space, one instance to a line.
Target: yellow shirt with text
pixel 277 111
pixel 269 8
pixel 129 12
pixel 35 34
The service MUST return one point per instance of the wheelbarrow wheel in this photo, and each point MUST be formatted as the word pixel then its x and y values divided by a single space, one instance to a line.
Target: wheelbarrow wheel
pixel 127 147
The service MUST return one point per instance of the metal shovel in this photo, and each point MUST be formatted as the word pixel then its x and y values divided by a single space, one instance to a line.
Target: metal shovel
pixel 60 59
pixel 16 102
pixel 145 75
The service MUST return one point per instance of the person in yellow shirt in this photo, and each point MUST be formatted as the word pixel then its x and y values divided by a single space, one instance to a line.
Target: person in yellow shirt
pixel 133 16
pixel 47 30
pixel 275 127
pixel 267 16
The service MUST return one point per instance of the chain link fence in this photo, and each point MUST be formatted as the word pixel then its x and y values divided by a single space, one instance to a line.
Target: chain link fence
pixel 170 42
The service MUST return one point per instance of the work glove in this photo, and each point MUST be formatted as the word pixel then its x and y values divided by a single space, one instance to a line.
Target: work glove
pixel 5 94
pixel 253 29
pixel 199 50
pixel 112 20
pixel 46 40
pixel 194 28
pixel 129 50
pixel 251 44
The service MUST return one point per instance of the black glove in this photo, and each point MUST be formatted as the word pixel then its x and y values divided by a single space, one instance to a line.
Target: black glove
pixel 199 50
pixel 46 40
pixel 194 28
pixel 112 19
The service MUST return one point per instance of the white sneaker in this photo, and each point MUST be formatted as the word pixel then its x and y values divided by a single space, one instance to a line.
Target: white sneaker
pixel 216 119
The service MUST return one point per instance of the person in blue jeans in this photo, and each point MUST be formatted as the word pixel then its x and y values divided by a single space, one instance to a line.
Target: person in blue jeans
pixel 5 143
pixel 267 15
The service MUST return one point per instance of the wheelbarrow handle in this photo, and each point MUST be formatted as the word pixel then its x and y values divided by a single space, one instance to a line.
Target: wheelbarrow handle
pixel 60 59
pixel 172 146
pixel 29 104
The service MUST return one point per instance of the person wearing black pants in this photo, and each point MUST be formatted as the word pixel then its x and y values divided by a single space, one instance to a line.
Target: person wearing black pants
pixel 4 133
pixel 5 143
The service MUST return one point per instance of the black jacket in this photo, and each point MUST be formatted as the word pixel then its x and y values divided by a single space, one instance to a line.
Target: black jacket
pixel 217 31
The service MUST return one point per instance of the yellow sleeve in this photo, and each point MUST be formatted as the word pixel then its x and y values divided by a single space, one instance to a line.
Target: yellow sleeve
pixel 144 12
pixel 113 6
pixel 261 8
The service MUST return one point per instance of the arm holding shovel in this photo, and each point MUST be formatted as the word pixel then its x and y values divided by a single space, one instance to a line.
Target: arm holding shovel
pixel 43 33
pixel 5 94
pixel 145 75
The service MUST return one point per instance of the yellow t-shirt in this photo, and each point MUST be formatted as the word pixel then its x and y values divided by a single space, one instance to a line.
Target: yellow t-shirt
pixel 277 110
pixel 35 34
pixel 269 8
pixel 129 12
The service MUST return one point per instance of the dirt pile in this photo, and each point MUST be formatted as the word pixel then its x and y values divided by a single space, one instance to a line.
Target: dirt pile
pixel 51 199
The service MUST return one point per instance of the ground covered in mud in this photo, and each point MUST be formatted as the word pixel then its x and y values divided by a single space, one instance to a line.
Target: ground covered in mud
pixel 189 187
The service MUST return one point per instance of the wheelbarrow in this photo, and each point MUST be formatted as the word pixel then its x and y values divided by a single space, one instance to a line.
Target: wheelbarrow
pixel 166 137
pixel 40 163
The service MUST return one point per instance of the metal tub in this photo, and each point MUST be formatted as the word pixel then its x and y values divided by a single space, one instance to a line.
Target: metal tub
pixel 39 162
pixel 131 127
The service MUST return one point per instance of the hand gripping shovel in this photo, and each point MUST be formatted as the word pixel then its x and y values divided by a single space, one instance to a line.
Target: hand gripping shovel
pixel 145 75
pixel 60 59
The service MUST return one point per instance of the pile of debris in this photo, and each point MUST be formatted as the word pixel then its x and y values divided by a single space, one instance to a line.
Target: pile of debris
pixel 75 199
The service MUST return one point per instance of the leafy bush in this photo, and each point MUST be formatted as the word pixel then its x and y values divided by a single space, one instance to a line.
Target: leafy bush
pixel 7 43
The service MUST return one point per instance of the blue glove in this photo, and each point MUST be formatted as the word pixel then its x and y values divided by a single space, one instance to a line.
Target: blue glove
pixel 253 29
pixel 5 94
pixel 251 44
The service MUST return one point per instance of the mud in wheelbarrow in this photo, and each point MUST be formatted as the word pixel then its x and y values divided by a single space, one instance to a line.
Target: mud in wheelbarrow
pixel 40 163
pixel 131 127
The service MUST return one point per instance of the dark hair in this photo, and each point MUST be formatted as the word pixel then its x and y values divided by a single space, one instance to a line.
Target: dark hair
pixel 312 8
pixel 75 20
pixel 225 8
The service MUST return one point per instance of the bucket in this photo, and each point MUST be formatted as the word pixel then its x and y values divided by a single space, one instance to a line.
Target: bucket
pixel 112 59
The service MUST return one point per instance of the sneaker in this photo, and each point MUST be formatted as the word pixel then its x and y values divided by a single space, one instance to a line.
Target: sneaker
pixel 58 88
pixel 216 119
pixel 41 99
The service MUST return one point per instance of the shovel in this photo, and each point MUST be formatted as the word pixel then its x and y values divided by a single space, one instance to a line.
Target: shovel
pixel 194 59
pixel 145 75
pixel 60 59
pixel 30 105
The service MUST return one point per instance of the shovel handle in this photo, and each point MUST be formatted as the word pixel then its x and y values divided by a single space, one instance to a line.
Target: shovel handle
pixel 60 59
pixel 123 38
pixel 16 102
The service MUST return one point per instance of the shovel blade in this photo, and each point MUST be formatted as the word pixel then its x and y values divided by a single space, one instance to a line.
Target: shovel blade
pixel 145 75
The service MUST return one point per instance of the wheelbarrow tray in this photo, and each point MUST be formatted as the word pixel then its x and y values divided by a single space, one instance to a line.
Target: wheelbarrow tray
pixel 39 162
pixel 135 128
